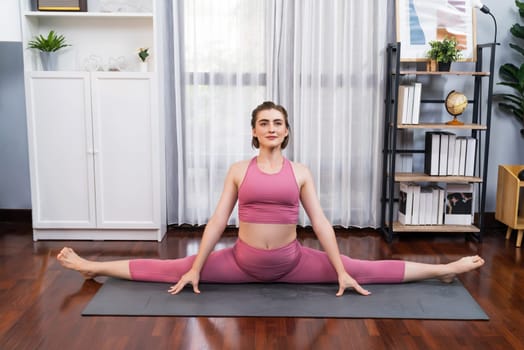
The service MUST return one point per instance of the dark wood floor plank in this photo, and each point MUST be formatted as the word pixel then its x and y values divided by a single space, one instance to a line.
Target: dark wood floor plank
pixel 42 302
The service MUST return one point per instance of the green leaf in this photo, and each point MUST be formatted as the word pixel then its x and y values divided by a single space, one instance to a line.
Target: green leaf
pixel 517 30
pixel 51 43
pixel 517 48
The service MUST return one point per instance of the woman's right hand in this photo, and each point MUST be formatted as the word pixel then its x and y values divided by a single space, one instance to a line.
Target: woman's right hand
pixel 191 277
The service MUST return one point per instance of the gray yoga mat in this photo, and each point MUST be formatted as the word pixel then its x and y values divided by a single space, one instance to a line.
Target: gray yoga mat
pixel 419 300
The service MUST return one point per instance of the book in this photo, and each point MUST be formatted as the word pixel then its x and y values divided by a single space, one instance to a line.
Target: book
pixel 451 153
pixel 432 152
pixel 456 158
pixel 405 206
pixel 415 217
pixel 462 156
pixel 438 205
pixel 402 105
pixel 417 92
pixel 459 204
pixel 443 155
pixel 471 146
pixel 426 205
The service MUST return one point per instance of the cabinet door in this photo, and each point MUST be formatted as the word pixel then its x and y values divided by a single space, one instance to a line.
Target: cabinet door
pixel 60 143
pixel 126 150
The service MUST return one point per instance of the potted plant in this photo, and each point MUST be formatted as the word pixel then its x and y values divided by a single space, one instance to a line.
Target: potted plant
pixel 443 52
pixel 513 75
pixel 48 46
pixel 143 54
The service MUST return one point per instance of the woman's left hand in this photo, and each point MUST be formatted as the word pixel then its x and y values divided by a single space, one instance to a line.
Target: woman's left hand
pixel 345 281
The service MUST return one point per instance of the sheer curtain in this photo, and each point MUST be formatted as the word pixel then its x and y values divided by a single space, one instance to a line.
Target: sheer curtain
pixel 329 71
pixel 221 77
pixel 322 60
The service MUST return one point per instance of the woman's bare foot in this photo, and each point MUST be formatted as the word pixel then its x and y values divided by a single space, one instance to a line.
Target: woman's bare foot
pixel 69 259
pixel 465 264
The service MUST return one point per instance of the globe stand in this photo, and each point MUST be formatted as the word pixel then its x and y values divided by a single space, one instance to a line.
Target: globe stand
pixel 455 121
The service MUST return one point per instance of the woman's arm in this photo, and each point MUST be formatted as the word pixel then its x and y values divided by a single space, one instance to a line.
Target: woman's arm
pixel 212 232
pixel 324 230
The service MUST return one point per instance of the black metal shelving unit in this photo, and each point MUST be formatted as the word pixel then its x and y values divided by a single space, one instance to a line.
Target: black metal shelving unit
pixel 480 125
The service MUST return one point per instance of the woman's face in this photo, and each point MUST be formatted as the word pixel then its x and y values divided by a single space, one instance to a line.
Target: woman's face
pixel 270 128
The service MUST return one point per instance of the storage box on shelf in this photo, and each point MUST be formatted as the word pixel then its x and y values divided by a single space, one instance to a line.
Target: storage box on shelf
pixel 395 124
pixel 95 128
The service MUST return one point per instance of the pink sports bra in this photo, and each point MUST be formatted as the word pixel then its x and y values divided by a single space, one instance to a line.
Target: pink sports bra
pixel 268 198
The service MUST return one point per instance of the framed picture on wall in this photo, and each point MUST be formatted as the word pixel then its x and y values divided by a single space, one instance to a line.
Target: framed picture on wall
pixel 421 21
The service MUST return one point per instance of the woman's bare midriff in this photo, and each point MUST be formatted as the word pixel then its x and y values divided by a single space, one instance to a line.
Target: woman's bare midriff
pixel 267 236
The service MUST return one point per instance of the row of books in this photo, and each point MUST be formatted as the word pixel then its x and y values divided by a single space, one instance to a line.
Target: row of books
pixel 408 107
pixel 449 154
pixel 434 205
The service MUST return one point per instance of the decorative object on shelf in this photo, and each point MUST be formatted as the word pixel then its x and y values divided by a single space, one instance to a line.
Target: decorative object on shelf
pixel 116 64
pixel 421 21
pixel 444 52
pixel 143 54
pixel 513 76
pixel 125 5
pixel 48 46
pixel 93 63
pixel 62 5
pixel 456 103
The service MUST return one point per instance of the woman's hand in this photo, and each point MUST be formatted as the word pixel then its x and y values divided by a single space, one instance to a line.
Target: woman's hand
pixel 345 281
pixel 192 277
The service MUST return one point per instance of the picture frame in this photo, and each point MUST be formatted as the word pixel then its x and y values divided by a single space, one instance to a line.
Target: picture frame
pixel 420 21
pixel 62 5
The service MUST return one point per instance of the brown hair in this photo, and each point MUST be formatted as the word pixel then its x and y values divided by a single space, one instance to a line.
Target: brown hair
pixel 266 106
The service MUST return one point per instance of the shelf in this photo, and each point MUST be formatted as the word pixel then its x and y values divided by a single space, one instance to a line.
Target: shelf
pixel 51 14
pixel 466 126
pixel 421 177
pixel 408 72
pixel 398 227
pixel 477 125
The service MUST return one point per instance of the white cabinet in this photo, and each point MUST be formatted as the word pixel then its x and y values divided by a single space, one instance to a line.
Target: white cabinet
pixel 94 156
pixel 96 143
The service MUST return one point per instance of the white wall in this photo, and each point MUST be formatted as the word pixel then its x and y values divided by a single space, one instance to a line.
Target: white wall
pixel 507 145
pixel 10 29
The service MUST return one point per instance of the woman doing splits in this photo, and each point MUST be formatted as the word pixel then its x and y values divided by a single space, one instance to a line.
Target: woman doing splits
pixel 268 188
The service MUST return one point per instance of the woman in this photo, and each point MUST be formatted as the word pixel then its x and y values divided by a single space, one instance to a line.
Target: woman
pixel 268 188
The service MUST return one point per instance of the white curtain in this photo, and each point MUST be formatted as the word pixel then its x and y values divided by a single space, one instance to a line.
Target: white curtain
pixel 322 60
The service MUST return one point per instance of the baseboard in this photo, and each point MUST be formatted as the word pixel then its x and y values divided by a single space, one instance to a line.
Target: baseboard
pixel 16 215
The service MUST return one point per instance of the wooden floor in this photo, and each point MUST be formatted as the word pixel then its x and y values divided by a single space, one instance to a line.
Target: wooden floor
pixel 41 302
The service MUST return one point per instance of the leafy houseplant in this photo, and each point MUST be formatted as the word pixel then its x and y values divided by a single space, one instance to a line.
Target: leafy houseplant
pixel 513 76
pixel 143 54
pixel 444 52
pixel 52 43
pixel 48 46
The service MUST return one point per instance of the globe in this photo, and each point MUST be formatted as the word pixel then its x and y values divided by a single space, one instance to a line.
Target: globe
pixel 456 103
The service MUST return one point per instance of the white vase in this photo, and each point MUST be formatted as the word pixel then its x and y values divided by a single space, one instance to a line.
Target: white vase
pixel 48 60
pixel 143 66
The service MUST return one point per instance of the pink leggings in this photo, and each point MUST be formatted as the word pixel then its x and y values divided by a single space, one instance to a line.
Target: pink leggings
pixel 292 263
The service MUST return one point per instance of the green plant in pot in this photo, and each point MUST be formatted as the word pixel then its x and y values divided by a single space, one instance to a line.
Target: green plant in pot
pixel 444 52
pixel 513 75
pixel 48 46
